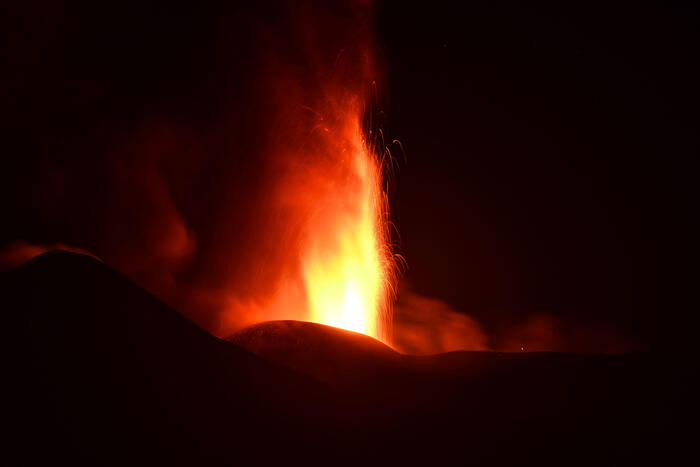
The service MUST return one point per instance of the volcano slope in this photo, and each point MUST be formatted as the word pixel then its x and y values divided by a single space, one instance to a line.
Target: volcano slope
pixel 96 371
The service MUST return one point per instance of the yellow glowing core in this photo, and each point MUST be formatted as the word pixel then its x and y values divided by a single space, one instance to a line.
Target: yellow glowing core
pixel 346 263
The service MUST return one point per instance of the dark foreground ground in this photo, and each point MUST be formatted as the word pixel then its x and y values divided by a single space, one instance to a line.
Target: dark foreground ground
pixel 95 371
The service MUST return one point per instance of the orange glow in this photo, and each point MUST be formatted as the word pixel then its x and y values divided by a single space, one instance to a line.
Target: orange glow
pixel 320 247
pixel 345 260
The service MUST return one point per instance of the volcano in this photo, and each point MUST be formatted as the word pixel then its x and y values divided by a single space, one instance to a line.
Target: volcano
pixel 97 371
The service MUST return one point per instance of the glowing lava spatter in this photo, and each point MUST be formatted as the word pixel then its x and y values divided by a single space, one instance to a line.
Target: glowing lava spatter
pixel 346 261
pixel 322 250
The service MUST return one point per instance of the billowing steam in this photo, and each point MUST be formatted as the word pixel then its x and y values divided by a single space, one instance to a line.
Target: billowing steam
pixel 424 326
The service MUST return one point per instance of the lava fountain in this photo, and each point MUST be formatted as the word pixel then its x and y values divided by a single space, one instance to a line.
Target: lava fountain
pixel 323 251
pixel 346 258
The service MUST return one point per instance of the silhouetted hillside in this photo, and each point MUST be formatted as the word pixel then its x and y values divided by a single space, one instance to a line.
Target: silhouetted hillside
pixel 97 371
pixel 103 372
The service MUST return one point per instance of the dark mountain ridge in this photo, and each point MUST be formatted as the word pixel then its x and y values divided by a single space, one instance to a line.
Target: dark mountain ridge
pixel 99 372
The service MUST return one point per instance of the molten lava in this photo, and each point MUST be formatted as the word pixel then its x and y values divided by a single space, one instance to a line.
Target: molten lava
pixel 319 249
pixel 346 261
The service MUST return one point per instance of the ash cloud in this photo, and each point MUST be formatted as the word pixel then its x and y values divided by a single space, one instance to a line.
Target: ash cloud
pixel 425 326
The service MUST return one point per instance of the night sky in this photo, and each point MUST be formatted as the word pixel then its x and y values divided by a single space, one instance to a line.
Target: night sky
pixel 550 158
pixel 548 164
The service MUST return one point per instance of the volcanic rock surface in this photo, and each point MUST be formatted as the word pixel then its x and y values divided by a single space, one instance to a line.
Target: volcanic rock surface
pixel 335 356
pixel 99 372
